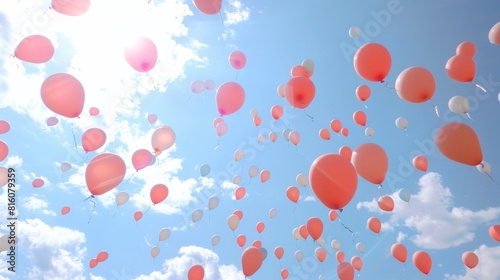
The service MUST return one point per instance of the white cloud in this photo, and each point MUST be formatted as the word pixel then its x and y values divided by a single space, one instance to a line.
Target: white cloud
pixel 487 268
pixel 177 268
pixel 237 13
pixel 37 203
pixel 439 225
pixel 229 34
pixel 309 198
pixel 401 236
pixel 14 162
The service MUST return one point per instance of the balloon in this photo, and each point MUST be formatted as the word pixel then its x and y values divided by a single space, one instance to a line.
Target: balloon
pixel 162 139
pixel 273 136
pixel 333 180
pixel 4 178
pixel 333 215
pixel 141 54
pixel 263 251
pixel 104 172
pixel 404 194
pixel 298 71
pixel 360 247
pixel 233 221
pixel 93 139
pixel 303 231
pixel 299 255
pixel 210 7
pixel 336 126
pixel 158 193
pixel 71 8
pixel 265 175
pixel 422 261
pixel 35 49
pixel 63 94
pixel 415 84
pixel 296 233
pixel 217 121
pixel 308 65
pixel 152 118
pixel 386 203
pixel 93 111
pixel 121 198
pixel 276 112
pixel 359 118
pixel 37 183
pixel 494 232
pixel 209 84
pixel 237 60
pixel 458 142
pixel 197 86
pixel 239 214
pixel 261 138
pixel 93 263
pixel 299 92
pixel 371 162
pixel 286 133
pixel 229 98
pixel 374 224
pixel 4 127
pixel 402 123
pixel 257 244
pixel 257 120
pixel 273 213
pixel 467 49
pixel 141 159
pixel 196 272
pixel 215 240
pixel 279 252
pixel 239 193
pixel 138 215
pixel 293 194
pixel 344 131
pixel 372 62
pixel 346 152
pixel 204 169
pixel 155 251
pixel 420 162
pixel 52 121
pixel 237 179
pixel 164 234
pixel 494 34
pixel 363 92
pixel 102 256
pixel 238 155
pixel 254 112
pixel 294 137
pixel 260 227
pixel 301 179
pixel 65 210
pixel 196 215
pixel 470 259
pixel 241 240
pixel 340 256
pixel 251 260
pixel 459 104
pixel 484 167
pixel 324 134
pixel 253 171
pixel 284 273
pixel 357 263
pixel 354 32
pixel 4 150
pixel 221 129
pixel 369 132
pixel 320 254
pixel 213 202
pixel 399 252
pixel 314 227
pixel 461 68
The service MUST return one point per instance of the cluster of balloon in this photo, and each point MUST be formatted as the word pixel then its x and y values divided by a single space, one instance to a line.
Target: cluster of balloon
pixel 141 54
pixel 462 67
pixel 494 34
pixel 460 105
pixel 363 92
pixel 371 162
pixel 196 272
pixel 372 62
pixel 300 90
pixel 162 139
pixel 459 142
pixel 71 8
pixel 63 94
pixel 101 257
pixel 35 49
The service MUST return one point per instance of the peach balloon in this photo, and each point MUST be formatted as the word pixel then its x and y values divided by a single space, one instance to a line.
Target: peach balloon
pixel 333 215
pixel 93 111
pixel 466 48
pixel 363 92
pixel 257 120
pixel 93 263
pixel 257 243
pixel 372 62
pixel 345 271
pixel 273 136
pixel 324 134
pixel 279 252
pixel 162 139
pixel 300 92
pixel 420 162
pixel 238 214
pixel 276 112
pixel 345 131
pixel 359 118
pixel 241 240
pixel 284 273
pixel 459 142
pixel 321 254
pixel 104 172
pixel 386 203
pixel 470 259
pixel 229 98
pixel 71 8
pixel 298 71
pixel 265 175
pixel 93 139
pixel 237 60
pixel 333 180
pixel 4 150
pixel 158 193
pixel 494 232
pixel 63 94
pixel 239 193
pixel 336 126
pixel 415 84
pixel 346 152
pixel 141 54
pixel 371 162
pixel 196 272
pixel 4 127
pixel 251 260
pixel 340 256
pixel 221 129
pixel 422 261
pixel 208 7
pixel 293 194
pixel 374 224
pixel 461 68
pixel 303 231
pixel 102 256
pixel 294 137
pixel 399 252
pixel 314 227
pixel 37 183
pixel 494 34
pixel 260 227
pixel 141 159
pixel 35 49
pixel 357 263
pixel 138 215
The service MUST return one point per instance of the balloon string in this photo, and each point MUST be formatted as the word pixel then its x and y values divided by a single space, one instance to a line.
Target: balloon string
pixel 221 19
pixel 131 176
pixel 492 178
pixel 352 232
pixel 74 137
pixel 155 84
pixel 117 208
pixel 311 117
pixel 46 10
pixel 218 143
pixel 93 206
pixel 365 105
pixel 147 210
pixel 436 110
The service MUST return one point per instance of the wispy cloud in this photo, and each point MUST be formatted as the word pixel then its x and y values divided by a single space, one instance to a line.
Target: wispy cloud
pixel 236 13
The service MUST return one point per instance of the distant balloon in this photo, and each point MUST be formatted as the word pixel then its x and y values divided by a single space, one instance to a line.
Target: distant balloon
pixel 251 260
pixel 402 123
pixel 459 104
pixel 221 129
pixel 308 65
pixel 321 254
pixel 93 111
pixel 404 194
pixel 164 234
pixel 209 84
pixel 141 54
pixel 65 210
pixel 273 136
pixel 196 272
pixel 273 213
pixel 494 34
pixel 208 7
pixel 281 90
pixel 386 203
pixel 155 251
pixel 240 192
pixel 354 32
pixel 138 215
pixel 104 173
pixel 467 49
pixel 293 194
pixel 360 247
pixel 399 252
pixel 422 261
pixel 363 92
pixel 197 86
pixel 35 49
pixel 299 255
pixel 461 68
pixel 494 232
pixel 276 112
pixel 213 202
pixel 300 92
pixel 336 244
pixel 324 134
pixel 369 132
pixel 233 221
pixel 301 179
pixel 420 162
pixel 71 8
pixel 65 166
pixel 470 259
pixel 374 224
pixel 4 127
pixel 51 121
pixel 215 240
pixel 237 60
pixel 37 183
pixel 286 133
pixel 265 175
pixel 294 137
pixel 238 155
pixel 371 162
pixel 359 118
pixel 102 256
pixel 253 171
pixel 345 131
pixel 197 215
pixel 336 126
pixel 121 198
pixel 152 118
pixel 4 150
pixel 204 169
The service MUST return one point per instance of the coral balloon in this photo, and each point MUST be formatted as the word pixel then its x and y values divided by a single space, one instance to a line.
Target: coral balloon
pixel 37 183
pixel 265 175
pixel 260 227
pixel 102 256
pixel 284 273
pixel 35 49
pixel 237 60
pixel 340 256
pixel 371 162
pixel 314 227
pixel 333 180
pixel 294 137
pixel 470 259
pixel 336 126
pixel 93 139
pixel 359 118
pixel 346 152
pixel 372 62
pixel 138 215
pixel 239 214
pixel 229 98
pixel 299 92
pixel 104 172
pixel 251 260
pixel 324 134
pixel 276 112
pixel 374 224
pixel 399 252
pixel 298 71
pixel 345 271
pixel 93 263
pixel 93 111
pixel 239 193
pixel 141 159
pixel 422 261
pixel 386 203
pixel 279 252
pixel 321 254
pixel 461 68
pixel 420 162
pixel 415 84
pixel 241 240
pixel 65 210
pixel 208 7
pixel 63 94
pixel 494 232
pixel 459 142
pixel 363 92
pixel 357 263
pixel 196 272
pixel 333 215
pixel 467 49
pixel 4 127
pixel 141 54
pixel 162 139
pixel 344 131
pixel 303 231
pixel 71 8
pixel 293 194
pixel 158 193
pixel 4 150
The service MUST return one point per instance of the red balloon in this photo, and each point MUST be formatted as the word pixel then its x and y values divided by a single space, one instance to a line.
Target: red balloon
pixel 229 98
pixel 260 227
pixel 321 254
pixel 314 227
pixel 340 256
pixel 386 203
pixel 238 213
pixel 336 126
pixel 293 193
pixel 415 84
pixel 324 134
pixel 4 150
pixel 4 127
pixel 420 162
pixel 196 272
pixel 284 273
pixel 359 118
pixel 363 92
pixel 71 8
pixel 104 172
pixel 35 49
pixel 63 94
pixel 93 263
pixel 459 142
pixel 345 131
pixel 276 112
pixel 371 162
pixel 102 256
pixel 257 243
pixel 299 92
pixel 251 260
pixel 158 193
pixel 93 111
pixel 303 231
pixel 461 68
pixel 399 252
pixel 37 183
pixel 346 152
pixel 470 259
pixel 93 139
pixel 374 224
pixel 279 252
pixel 298 71
pixel 65 210
pixel 239 193
pixel 345 271
pixel 494 232
pixel 141 159
pixel 467 49
pixel 138 215
pixel 257 120
pixel 333 215
pixel 208 7
pixel 333 180
pixel 372 62
pixel 357 263
pixel 422 261
pixel 241 240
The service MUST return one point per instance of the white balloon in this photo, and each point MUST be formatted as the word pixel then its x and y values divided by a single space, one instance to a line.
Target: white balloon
pixel 253 171
pixel 281 90
pixel 155 251
pixel 369 132
pixel 484 167
pixel 197 215
pixel 215 240
pixel 308 65
pixel 262 138
pixel 164 234
pixel 204 169
pixel 336 244
pixel 459 104
pixel 285 133
pixel 354 32
pixel 238 155
pixel 254 113
pixel 121 198
pixel 299 255
pixel 237 179
pixel 209 84
pixel 402 123
pixel 360 247
pixel 197 86
pixel 301 179
pixel 296 233
pixel 213 202
pixel 273 213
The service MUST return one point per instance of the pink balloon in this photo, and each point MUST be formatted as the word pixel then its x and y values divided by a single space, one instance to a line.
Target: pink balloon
pixel 276 112
pixel 162 139
pixel 104 172
pixel 141 159
pixel 221 129
pixel 357 263
pixel 138 215
pixel 239 193
pixel 65 210
pixel 229 98
pixel 4 150
pixel 71 8
pixel 273 136
pixel 65 166
pixel 152 118
pixel 141 54
pixel 158 193
pixel 63 94
pixel 52 121
pixel 4 127
pixel 93 139
pixel 37 183
pixel 197 86
pixel 217 121
pixel 35 49
pixel 294 137
pixel 238 60
pixel 93 111
pixel 208 7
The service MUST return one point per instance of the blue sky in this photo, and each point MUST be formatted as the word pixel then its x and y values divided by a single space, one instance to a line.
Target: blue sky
pixel 452 204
